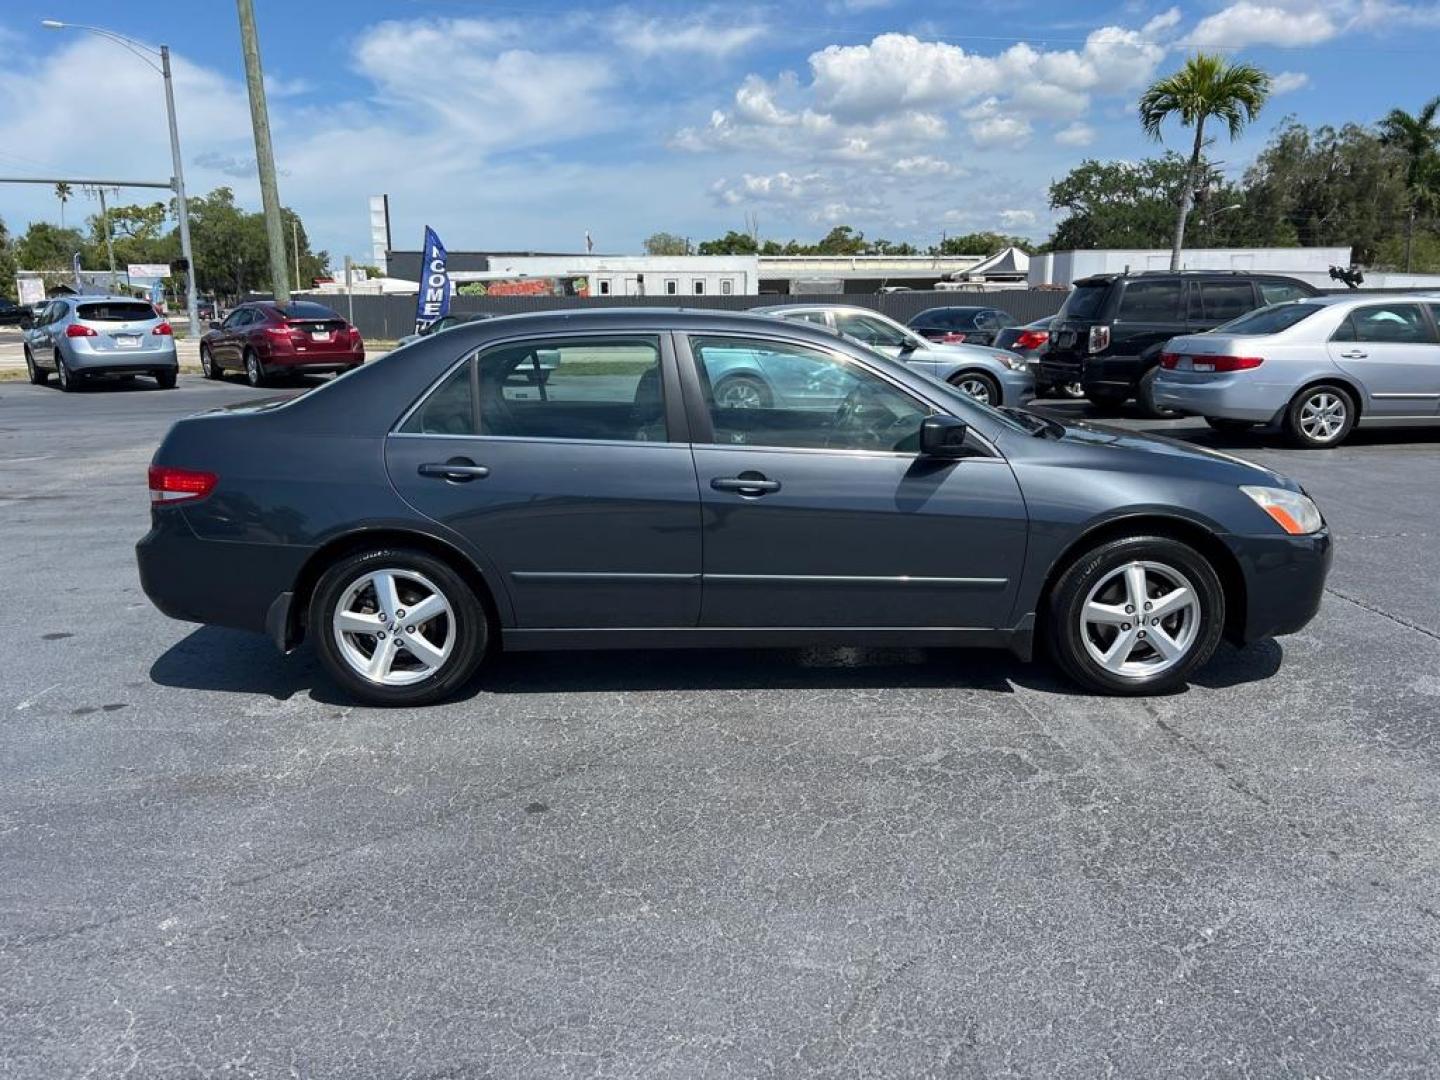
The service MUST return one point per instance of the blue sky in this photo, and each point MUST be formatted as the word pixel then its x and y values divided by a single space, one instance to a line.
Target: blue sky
pixel 523 125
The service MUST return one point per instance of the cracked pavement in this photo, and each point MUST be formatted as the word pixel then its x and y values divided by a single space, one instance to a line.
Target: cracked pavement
pixel 842 863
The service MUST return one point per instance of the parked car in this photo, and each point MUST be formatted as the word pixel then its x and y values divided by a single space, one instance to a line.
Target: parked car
pixel 1110 332
pixel 1318 368
pixel 628 506
pixel 81 338
pixel 1030 341
pixel 265 339
pixel 989 375
pixel 446 322
pixel 13 314
pixel 961 325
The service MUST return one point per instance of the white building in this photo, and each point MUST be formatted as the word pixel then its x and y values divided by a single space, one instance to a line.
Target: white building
pixel 1311 264
pixel 632 275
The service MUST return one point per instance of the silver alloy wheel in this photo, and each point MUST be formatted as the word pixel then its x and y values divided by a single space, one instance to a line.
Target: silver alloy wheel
pixel 252 369
pixel 394 627
pixel 976 388
pixel 30 367
pixel 1323 416
pixel 207 363
pixel 1140 620
pixel 740 394
pixel 63 372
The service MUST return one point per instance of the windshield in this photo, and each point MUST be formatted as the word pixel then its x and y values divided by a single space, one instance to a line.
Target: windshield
pixel 1085 300
pixel 1269 320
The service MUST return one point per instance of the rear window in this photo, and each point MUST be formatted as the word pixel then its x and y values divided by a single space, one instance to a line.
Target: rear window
pixel 303 309
pixel 945 319
pixel 1085 301
pixel 1269 320
pixel 115 311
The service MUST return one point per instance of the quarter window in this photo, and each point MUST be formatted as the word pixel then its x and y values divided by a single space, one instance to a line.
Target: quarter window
pixel 1277 292
pixel 771 393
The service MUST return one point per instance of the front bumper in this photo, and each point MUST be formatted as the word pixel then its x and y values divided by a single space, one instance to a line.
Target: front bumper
pixel 1284 582
pixel 1016 387
pixel 1227 397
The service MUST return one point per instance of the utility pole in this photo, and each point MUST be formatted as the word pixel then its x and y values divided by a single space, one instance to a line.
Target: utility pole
pixel 295 235
pixel 264 153
pixel 182 206
pixel 109 247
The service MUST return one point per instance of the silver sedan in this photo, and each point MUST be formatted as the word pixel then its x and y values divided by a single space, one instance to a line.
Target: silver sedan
pixel 1318 368
pixel 990 375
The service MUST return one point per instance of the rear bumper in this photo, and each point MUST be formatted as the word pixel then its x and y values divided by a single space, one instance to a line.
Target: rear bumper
pixel 314 362
pixel 1227 397
pixel 122 361
pixel 220 582
pixel 1284 581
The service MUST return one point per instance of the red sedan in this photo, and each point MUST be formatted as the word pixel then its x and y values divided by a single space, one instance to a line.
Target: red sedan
pixel 266 338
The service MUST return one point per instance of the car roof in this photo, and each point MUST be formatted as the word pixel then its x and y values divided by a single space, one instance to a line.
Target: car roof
pixel 1334 299
pixel 102 298
pixel 770 309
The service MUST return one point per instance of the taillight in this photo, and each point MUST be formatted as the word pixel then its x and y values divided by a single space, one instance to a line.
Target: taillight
pixel 1168 360
pixel 282 332
pixel 1099 338
pixel 1031 339
pixel 1212 363
pixel 164 330
pixel 76 330
pixel 952 337
pixel 171 485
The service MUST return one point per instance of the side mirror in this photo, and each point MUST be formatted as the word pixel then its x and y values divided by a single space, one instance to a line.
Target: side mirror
pixel 26 322
pixel 907 346
pixel 214 325
pixel 943 437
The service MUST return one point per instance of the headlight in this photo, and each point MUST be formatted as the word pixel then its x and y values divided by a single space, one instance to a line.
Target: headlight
pixel 1014 363
pixel 1293 512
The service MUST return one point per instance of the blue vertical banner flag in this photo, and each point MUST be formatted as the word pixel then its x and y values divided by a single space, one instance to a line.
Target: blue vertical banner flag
pixel 433 301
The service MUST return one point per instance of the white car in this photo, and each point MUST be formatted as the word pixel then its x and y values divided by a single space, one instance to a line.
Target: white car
pixel 1317 367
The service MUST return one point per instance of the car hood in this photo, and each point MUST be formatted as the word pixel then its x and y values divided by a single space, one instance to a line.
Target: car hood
pixel 959 351
pixel 1117 449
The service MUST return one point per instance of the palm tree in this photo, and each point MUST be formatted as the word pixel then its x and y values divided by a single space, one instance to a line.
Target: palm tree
pixel 62 192
pixel 1207 86
pixel 1417 138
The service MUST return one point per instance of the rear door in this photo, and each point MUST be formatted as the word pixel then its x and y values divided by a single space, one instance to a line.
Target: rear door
pixel 1392 351
pixel 817 516
pixel 558 459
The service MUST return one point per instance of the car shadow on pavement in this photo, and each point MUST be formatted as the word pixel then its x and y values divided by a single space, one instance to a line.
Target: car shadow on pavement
pixel 231 661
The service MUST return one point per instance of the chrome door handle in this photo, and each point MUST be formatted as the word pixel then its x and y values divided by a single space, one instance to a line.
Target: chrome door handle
pixel 745 484
pixel 1354 354
pixel 460 471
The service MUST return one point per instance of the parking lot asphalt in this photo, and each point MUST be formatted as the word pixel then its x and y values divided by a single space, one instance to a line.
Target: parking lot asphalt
pixel 838 862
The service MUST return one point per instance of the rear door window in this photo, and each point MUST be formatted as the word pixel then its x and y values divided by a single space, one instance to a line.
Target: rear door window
pixel 1394 324
pixel 116 311
pixel 1150 301
pixel 449 410
pixel 1221 301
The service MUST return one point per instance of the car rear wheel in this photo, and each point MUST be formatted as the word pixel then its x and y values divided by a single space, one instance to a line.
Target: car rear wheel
pixel 978 385
pixel 1136 615
pixel 68 382
pixel 254 370
pixel 1320 417
pixel 38 375
pixel 165 379
pixel 396 626
pixel 208 364
pixel 1106 400
pixel 742 392
pixel 1220 423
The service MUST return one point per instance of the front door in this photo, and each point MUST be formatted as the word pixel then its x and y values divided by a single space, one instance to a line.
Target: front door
pixel 553 458
pixel 1391 351
pixel 819 513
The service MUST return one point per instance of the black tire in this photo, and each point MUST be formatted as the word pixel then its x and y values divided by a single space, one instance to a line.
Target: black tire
pixel 1145 398
pixel 208 365
pixel 1067 632
pixel 1071 391
pixel 68 383
pixel 255 373
pixel 1231 427
pixel 38 375
pixel 1106 400
pixel 986 387
pixel 1304 431
pixel 165 379
pixel 471 626
pixel 733 389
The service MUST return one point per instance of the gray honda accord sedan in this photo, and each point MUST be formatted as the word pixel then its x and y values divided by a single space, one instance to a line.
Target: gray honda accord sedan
pixel 570 481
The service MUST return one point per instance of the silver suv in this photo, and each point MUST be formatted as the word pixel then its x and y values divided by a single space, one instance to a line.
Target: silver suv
pixel 84 337
pixel 990 375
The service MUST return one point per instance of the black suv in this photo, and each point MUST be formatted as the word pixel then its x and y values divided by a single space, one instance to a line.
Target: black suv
pixel 1109 334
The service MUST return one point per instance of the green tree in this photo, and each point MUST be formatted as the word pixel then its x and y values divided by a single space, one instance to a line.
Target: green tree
pixel 1417 138
pixel 49 247
pixel 7 263
pixel 62 192
pixel 1123 204
pixel 981 243
pixel 664 243
pixel 139 234
pixel 1207 87
pixel 841 240
pixel 733 243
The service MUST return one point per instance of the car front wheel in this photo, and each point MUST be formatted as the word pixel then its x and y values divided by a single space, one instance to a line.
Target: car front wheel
pixel 1136 615
pixel 38 375
pixel 208 364
pixel 978 385
pixel 396 626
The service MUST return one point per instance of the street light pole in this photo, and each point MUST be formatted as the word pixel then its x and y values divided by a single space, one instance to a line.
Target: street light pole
pixel 177 181
pixel 264 152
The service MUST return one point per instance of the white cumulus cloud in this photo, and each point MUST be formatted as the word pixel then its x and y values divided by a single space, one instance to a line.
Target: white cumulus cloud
pixel 1248 23
pixel 1076 134
pixel 1289 81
